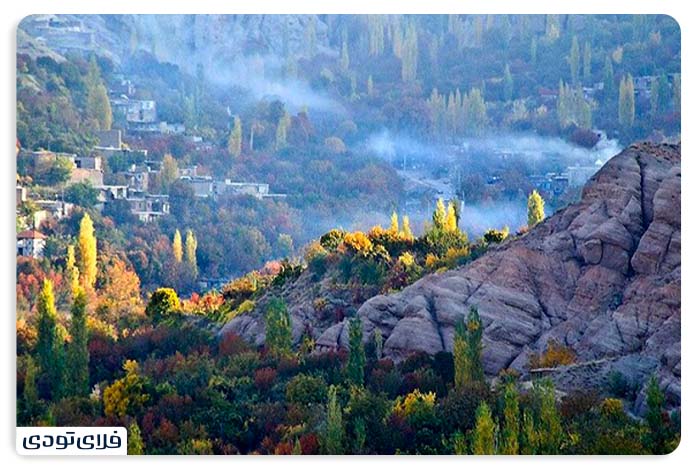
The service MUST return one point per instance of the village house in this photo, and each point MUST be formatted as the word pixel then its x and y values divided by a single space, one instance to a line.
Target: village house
pixel 87 169
pixel 31 243
pixel 202 185
pixel 148 207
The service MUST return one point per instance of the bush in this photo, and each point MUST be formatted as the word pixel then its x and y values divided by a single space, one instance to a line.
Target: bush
pixel 163 303
pixel 332 239
pixel 555 355
pixel 306 390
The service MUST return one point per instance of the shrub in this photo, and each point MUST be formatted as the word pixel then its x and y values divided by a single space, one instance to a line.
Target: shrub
pixel 332 239
pixel 163 303
pixel 555 355
pixel 306 390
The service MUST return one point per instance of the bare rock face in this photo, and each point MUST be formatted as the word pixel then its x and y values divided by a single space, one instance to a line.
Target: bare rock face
pixel 602 276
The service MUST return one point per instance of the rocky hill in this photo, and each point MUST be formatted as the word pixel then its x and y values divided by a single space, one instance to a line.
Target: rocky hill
pixel 602 276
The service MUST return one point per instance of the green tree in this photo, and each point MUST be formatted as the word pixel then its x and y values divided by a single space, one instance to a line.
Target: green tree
pixel 78 353
pixel 574 61
pixel 655 418
pixel 609 88
pixel 550 431
pixel 278 328
pixel 530 436
pixel 511 423
pixel 370 86
pixel 467 348
pixel 483 439
pixel 334 431
pixel 30 400
pixel 177 247
pixel 98 106
pixel 587 63
pixel 409 54
pixel 234 142
pixel 627 105
pixel 82 194
pixel 49 345
pixel 87 253
pixel 163 303
pixel 135 440
pixel 355 368
pixel 535 209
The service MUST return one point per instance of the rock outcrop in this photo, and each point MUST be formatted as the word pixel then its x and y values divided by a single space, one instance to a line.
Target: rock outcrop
pixel 602 276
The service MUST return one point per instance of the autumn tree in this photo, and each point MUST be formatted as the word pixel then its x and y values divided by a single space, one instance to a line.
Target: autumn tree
pixel 127 395
pixel 627 105
pixel 71 270
pixel 574 61
pixel 120 292
pixel 177 247
pixel 278 328
pixel 406 228
pixel 87 253
pixel 535 209
pixel 191 247
pixel 49 345
pixel 483 439
pixel 467 349
pixel 78 353
pixel 163 303
pixel 394 223
pixel 168 174
pixel 135 440
pixel 234 142
pixel 439 215
pixel 355 369
pixel 451 218
pixel 333 432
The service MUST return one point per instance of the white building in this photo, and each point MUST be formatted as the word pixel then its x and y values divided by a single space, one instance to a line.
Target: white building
pixel 31 243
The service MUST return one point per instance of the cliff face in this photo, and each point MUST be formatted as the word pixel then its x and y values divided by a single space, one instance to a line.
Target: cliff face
pixel 602 276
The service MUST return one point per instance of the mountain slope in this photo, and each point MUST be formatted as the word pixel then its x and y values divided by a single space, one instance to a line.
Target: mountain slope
pixel 602 276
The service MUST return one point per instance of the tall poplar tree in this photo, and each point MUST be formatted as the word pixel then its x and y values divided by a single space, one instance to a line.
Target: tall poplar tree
pixel 356 357
pixel 177 247
pixel 78 352
pixel 49 346
pixel 87 253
